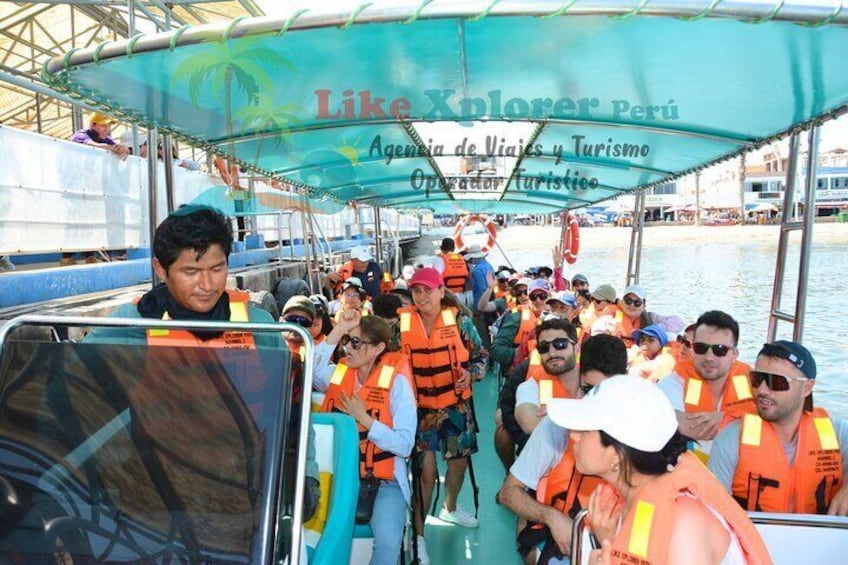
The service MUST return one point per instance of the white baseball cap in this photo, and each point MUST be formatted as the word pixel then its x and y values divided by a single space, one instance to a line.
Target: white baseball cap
pixel 361 253
pixel 628 408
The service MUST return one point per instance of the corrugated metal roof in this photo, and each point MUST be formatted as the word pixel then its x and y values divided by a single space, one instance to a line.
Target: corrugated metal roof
pixel 31 33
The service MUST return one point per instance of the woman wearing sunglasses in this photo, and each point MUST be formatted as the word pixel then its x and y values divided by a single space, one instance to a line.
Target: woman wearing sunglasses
pixel 372 385
pixel 632 314
pixel 660 504
pixel 790 457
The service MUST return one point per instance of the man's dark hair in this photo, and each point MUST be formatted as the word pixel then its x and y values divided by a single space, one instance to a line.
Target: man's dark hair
pixel 448 245
pixel 192 229
pixel 556 323
pixel 386 305
pixel 604 353
pixel 720 320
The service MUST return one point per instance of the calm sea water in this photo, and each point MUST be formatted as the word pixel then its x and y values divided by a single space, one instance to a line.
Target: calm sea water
pixel 734 277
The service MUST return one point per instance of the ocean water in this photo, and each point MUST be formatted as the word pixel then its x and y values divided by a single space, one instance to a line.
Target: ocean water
pixel 737 278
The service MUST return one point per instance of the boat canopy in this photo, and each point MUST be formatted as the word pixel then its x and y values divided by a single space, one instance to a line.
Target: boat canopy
pixel 492 106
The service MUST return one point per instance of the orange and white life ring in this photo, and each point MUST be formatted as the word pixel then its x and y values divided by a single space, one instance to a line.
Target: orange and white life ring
pixel 570 243
pixel 487 223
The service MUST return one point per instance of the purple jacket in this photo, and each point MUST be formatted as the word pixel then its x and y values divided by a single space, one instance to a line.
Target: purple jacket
pixel 90 136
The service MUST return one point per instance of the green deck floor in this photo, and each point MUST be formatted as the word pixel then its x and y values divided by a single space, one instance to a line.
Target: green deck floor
pixel 493 543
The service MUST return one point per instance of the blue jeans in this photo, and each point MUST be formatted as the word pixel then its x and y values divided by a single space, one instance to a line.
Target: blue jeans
pixel 387 523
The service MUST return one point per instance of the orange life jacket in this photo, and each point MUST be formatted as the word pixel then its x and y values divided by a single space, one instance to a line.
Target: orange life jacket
pixel 346 271
pixel 660 366
pixel 737 399
pixel 502 293
pixel 527 324
pixel 565 488
pixel 436 359
pixel 550 387
pixel 231 340
pixel 376 393
pixel 624 326
pixel 455 274
pixel 646 529
pixel 764 480
pixel 387 284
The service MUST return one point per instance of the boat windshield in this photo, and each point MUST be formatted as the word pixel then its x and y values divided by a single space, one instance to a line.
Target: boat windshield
pixel 120 454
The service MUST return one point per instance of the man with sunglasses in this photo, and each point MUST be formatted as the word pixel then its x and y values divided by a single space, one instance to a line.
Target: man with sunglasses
pixel 789 457
pixel 520 322
pixel 712 389
pixel 550 372
pixel 546 466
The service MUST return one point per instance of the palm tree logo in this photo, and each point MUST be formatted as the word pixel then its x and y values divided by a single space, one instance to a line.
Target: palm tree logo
pixel 244 66
pixel 265 115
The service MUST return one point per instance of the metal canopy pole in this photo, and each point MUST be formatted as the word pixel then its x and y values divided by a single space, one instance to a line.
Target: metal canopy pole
pixel 306 233
pixel 378 238
pixel 789 223
pixel 152 195
pixel 634 259
pixel 807 232
pixel 168 158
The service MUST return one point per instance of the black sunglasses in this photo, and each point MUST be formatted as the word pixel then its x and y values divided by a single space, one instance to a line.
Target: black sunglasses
pixel 775 382
pixel 299 320
pixel 559 344
pixel 718 349
pixel 683 341
pixel 519 292
pixel 354 342
pixel 634 302
pixel 538 296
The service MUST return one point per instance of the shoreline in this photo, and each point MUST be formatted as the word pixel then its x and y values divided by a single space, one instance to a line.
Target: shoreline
pixel 606 237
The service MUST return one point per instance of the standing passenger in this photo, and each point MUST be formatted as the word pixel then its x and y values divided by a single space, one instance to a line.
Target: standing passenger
pixel 445 353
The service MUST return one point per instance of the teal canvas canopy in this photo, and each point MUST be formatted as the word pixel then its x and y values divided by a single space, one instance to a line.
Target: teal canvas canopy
pixel 520 107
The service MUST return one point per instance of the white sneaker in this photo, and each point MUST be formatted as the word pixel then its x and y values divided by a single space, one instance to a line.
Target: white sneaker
pixel 423 558
pixel 459 517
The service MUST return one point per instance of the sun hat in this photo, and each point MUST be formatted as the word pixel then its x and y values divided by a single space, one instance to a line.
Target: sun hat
pixel 604 292
pixel 630 409
pixel 654 331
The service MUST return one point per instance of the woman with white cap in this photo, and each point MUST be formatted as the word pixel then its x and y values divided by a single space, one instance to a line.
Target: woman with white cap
pixel 663 505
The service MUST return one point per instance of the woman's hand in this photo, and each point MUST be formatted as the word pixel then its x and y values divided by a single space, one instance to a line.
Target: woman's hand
pixel 348 319
pixel 464 380
pixel 354 407
pixel 604 512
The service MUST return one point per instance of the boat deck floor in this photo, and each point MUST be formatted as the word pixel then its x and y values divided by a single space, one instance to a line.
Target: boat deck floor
pixel 494 541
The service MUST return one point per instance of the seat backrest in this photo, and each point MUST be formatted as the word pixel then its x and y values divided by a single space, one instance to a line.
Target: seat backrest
pixel 790 538
pixel 329 533
pixel 803 538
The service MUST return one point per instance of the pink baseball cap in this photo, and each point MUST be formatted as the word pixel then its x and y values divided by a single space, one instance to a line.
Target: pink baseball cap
pixel 428 277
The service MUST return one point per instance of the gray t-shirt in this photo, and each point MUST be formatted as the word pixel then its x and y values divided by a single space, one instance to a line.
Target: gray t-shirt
pixel 725 451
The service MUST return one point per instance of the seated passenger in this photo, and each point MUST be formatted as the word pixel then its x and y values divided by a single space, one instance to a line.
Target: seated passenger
pixel 632 314
pixel 519 321
pixel 372 385
pixel 790 457
pixel 551 372
pixel 353 297
pixel 713 388
pixel 190 252
pixel 546 466
pixel 653 360
pixel 386 306
pixel 660 505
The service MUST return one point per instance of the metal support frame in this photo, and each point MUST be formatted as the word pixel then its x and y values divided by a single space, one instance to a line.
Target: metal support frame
pixel 789 222
pixel 307 252
pixel 634 258
pixel 378 237
pixel 168 158
pixel 152 194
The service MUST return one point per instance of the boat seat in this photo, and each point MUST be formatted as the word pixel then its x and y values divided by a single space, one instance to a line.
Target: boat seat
pixel 790 538
pixel 328 534
pixel 803 538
